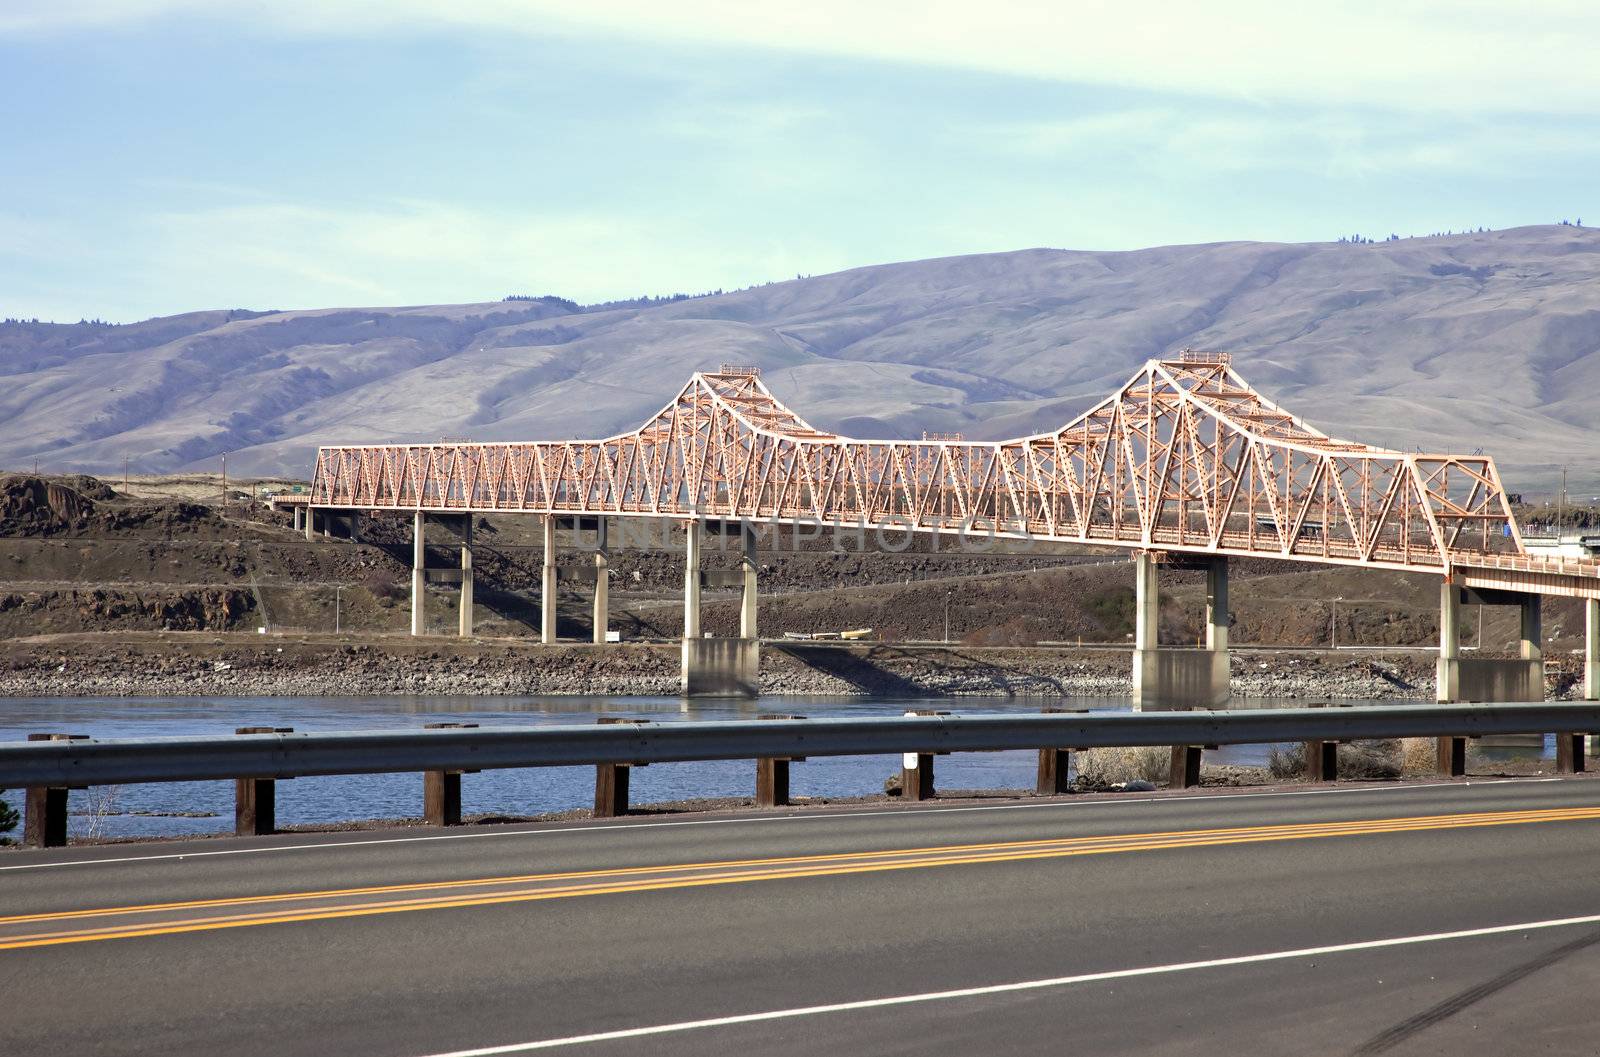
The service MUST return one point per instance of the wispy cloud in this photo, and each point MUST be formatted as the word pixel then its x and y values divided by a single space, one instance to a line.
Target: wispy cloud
pixel 296 255
pixel 1424 55
pixel 1341 145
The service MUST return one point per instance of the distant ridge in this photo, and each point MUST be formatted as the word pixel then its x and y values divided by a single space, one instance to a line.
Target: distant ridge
pixel 1487 340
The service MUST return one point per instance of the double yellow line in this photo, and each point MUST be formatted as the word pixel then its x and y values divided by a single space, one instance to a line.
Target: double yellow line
pixel 157 919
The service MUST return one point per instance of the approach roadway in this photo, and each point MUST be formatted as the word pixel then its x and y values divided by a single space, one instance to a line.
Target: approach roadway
pixel 1452 918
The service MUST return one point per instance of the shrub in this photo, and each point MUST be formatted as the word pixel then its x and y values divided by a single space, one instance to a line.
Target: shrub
pixel 1113 609
pixel 383 587
pixel 1419 755
pixel 1357 760
pixel 1370 760
pixel 1104 768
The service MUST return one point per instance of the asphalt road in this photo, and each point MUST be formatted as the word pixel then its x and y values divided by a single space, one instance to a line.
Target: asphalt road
pixel 1316 922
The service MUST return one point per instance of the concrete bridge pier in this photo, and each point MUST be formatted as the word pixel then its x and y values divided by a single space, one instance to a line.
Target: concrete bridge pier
pixel 1466 679
pixel 310 524
pixel 547 584
pixel 720 667
pixel 1169 677
pixel 747 569
pixel 419 572
pixel 299 514
pixel 1591 661
pixel 602 583
pixel 1591 649
pixel 465 621
pixel 691 580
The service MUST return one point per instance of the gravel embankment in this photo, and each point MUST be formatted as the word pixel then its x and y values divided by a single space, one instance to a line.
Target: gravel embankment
pixel 170 665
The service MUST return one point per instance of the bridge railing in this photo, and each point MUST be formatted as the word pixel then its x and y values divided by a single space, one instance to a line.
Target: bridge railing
pixel 46 768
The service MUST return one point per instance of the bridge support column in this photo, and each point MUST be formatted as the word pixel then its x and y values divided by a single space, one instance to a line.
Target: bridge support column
pixel 602 584
pixel 1591 649
pixel 691 580
pixel 1462 679
pixel 1217 605
pixel 310 524
pixel 465 621
pixel 1532 647
pixel 299 514
pixel 747 601
pixel 1447 672
pixel 547 584
pixel 419 573
pixel 715 666
pixel 1178 677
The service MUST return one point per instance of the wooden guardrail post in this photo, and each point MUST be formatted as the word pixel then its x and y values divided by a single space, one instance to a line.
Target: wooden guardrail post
pixel 1055 766
pixel 916 776
pixel 255 800
pixel 1322 761
pixel 1569 753
pixel 1451 757
pixel 1185 771
pixel 772 772
pixel 611 780
pixel 441 790
pixel 916 768
pixel 44 809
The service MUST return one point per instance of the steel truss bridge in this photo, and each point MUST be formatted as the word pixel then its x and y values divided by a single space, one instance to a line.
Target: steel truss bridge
pixel 1185 458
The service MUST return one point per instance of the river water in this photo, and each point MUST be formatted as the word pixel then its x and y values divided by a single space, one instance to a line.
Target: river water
pixel 177 808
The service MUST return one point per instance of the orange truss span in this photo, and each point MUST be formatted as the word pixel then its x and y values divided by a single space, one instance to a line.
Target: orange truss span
pixel 1185 457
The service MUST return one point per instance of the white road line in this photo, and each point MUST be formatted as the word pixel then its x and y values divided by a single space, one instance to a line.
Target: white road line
pixel 1025 985
pixel 817 816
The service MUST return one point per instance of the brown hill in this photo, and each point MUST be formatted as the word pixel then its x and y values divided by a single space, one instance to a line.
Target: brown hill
pixel 1485 341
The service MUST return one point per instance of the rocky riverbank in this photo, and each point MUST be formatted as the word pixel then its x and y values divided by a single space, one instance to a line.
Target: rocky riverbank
pixel 177 664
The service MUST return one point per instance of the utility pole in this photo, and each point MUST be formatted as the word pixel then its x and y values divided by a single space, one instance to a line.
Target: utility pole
pixel 124 475
pixel 224 480
pixel 948 594
pixel 337 588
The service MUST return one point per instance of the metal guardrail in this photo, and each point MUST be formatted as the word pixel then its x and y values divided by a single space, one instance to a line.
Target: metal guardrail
pixel 94 761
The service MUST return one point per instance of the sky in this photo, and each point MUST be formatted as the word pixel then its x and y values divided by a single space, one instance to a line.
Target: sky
pixel 160 156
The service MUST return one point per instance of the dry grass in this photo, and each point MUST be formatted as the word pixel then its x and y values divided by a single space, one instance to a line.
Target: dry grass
pixel 1418 755
pixel 1104 768
pixel 1358 760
